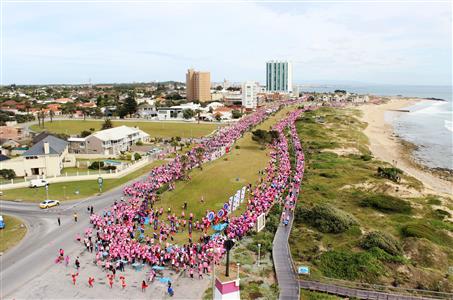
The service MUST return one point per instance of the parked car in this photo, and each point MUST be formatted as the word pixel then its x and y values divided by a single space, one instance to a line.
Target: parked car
pixel 49 203
pixel 34 183
pixel 2 223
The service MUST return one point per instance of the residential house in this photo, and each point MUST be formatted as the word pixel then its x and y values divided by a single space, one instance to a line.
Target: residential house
pixel 47 158
pixel 146 111
pixel 111 141
pixel 14 133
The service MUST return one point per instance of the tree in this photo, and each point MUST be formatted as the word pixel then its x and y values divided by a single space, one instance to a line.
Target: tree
pixel 51 114
pixel 85 133
pixel 198 112
pixel 199 152
pixel 184 160
pixel 236 114
pixel 107 124
pixel 137 156
pixel 174 143
pixel 218 88
pixel 8 173
pixel 264 137
pixel 188 113
pixel 218 116
pixel 130 106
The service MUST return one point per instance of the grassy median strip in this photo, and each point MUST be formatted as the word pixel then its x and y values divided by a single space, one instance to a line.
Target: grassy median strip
pixel 154 129
pixel 12 234
pixel 219 179
pixel 68 190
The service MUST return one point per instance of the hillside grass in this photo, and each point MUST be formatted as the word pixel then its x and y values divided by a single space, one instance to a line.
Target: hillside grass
pixel 154 129
pixel 349 182
pixel 12 234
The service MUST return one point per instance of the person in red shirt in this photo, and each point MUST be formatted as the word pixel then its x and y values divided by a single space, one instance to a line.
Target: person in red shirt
pixel 144 286
pixel 74 278
pixel 90 281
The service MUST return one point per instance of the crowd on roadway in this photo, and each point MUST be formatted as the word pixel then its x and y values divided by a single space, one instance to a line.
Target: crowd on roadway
pixel 118 233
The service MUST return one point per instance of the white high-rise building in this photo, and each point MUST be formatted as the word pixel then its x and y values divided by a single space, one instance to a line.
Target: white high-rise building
pixel 250 91
pixel 279 76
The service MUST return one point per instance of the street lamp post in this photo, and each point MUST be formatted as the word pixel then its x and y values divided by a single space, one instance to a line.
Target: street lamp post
pixel 259 254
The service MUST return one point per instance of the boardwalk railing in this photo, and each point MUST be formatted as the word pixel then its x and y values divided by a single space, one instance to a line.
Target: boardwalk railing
pixel 371 294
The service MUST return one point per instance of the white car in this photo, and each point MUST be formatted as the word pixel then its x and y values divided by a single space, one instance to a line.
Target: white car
pixel 34 183
pixel 49 203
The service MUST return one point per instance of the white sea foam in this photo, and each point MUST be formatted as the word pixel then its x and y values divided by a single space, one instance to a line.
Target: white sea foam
pixel 449 125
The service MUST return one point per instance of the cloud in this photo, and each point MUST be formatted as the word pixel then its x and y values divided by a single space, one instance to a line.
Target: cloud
pixel 142 42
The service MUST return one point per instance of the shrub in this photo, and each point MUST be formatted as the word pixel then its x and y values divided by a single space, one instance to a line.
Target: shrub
pixel 273 219
pixel 96 165
pixel 137 156
pixel 441 214
pixel 139 143
pixel 350 266
pixel 366 157
pixel 327 218
pixel 162 189
pixel 107 168
pixel 393 174
pixel 420 230
pixel 386 203
pixel 237 147
pixel 8 173
pixel 85 133
pixel 382 241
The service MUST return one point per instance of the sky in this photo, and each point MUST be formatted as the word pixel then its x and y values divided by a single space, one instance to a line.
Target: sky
pixel 374 42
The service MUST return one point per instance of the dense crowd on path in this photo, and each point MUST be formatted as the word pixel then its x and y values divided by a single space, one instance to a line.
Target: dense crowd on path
pixel 117 234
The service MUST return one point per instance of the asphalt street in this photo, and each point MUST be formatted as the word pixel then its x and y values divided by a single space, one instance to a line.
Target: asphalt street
pixel 36 253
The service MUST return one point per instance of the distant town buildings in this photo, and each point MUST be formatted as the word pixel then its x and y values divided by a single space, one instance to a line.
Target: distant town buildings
pixel 198 86
pixel 279 76
pixel 250 90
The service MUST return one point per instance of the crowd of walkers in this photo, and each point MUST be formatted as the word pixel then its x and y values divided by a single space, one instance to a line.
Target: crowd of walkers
pixel 117 234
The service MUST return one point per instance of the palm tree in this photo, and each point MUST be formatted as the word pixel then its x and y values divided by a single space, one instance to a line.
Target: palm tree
pixel 198 112
pixel 199 151
pixel 51 114
pixel 184 163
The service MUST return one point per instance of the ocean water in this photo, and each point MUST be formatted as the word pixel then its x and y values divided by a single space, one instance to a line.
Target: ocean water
pixel 428 124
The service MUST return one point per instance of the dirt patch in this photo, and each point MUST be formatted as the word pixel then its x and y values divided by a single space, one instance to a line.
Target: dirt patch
pixel 390 188
pixel 344 151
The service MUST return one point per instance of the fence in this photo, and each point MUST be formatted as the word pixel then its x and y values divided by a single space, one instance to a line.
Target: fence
pixel 373 292
pixel 89 175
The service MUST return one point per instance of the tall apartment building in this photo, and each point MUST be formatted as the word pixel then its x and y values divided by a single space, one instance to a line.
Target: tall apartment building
pixel 198 85
pixel 279 76
pixel 250 90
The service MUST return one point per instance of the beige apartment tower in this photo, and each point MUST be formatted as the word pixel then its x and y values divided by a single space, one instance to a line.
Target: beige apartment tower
pixel 198 86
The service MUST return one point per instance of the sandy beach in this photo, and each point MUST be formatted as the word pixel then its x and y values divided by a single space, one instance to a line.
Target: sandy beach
pixel 387 147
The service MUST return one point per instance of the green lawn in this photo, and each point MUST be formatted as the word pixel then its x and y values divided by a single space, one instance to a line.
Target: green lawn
pixel 12 233
pixel 66 190
pixel 219 179
pixel 309 295
pixel 154 129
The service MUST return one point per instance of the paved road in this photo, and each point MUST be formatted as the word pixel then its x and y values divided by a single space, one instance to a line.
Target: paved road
pixel 286 278
pixel 37 251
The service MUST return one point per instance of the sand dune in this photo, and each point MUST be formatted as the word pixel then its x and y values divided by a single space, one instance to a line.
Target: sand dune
pixel 387 147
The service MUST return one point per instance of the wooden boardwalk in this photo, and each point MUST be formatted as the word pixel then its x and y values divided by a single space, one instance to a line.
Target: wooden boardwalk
pixel 364 294
pixel 286 275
